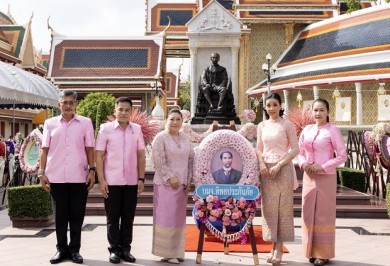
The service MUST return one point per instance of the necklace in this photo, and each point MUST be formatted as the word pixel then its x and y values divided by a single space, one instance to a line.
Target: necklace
pixel 176 140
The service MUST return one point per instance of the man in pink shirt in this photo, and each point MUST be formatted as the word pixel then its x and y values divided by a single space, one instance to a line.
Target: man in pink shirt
pixel 120 164
pixel 66 169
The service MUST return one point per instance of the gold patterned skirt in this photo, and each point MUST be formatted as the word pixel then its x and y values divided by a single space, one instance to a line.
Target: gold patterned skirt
pixel 277 205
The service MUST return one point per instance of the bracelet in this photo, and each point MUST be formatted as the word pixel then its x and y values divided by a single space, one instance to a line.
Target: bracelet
pixel 92 169
pixel 142 179
pixel 40 173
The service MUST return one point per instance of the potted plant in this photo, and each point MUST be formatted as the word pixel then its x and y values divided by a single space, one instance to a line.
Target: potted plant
pixel 30 206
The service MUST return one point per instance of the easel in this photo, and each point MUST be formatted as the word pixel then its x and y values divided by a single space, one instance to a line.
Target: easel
pixel 226 245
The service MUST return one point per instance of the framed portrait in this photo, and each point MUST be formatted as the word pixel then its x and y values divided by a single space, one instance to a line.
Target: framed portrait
pixel 226 166
pixel 343 109
pixel 383 107
pixel 223 151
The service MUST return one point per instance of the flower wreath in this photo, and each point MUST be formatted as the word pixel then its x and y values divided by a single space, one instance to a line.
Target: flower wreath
pixel 381 145
pixel 229 212
pixel 32 139
pixel 220 139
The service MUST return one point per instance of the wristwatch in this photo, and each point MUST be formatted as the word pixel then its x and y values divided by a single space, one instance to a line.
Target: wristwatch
pixel 92 169
pixel 141 179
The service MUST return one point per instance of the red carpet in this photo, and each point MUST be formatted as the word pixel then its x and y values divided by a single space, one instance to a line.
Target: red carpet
pixel 213 244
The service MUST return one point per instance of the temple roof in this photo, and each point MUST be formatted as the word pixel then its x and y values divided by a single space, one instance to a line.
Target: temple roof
pixel 96 57
pixel 105 62
pixel 178 13
pixel 6 19
pixel 346 49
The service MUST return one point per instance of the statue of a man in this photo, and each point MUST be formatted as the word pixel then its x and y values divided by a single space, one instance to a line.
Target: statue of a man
pixel 214 78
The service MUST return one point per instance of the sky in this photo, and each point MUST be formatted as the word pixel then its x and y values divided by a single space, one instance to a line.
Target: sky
pixel 81 18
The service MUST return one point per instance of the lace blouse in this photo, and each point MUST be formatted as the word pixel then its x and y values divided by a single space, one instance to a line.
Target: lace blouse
pixel 172 157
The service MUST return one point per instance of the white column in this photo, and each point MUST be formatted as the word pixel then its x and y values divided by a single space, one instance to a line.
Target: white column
pixel 359 104
pixel 194 82
pixel 234 75
pixel 316 92
pixel 285 93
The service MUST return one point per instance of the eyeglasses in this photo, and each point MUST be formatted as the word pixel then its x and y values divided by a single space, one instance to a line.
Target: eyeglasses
pixel 70 103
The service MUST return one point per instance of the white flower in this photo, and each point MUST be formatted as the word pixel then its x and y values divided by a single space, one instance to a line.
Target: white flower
pixel 228 212
pixel 210 198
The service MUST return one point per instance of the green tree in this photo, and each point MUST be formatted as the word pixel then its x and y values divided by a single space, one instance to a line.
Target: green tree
pixel 354 5
pixel 89 105
pixel 101 115
pixel 184 95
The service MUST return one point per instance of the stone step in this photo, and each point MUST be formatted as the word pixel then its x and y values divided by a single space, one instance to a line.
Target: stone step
pixel 342 199
pixel 342 211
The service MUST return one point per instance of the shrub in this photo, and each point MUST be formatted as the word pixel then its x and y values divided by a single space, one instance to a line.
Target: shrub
pixel 352 178
pixel 388 198
pixel 29 201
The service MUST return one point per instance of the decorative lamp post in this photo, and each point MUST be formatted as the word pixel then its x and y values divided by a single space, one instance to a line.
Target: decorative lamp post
pixel 268 71
pixel 158 112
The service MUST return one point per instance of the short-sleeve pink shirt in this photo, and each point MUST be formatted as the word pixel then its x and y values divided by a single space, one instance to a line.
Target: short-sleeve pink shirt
pixel 67 160
pixel 121 147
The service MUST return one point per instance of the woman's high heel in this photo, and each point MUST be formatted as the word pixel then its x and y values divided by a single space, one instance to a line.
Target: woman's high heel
pixel 277 259
pixel 270 256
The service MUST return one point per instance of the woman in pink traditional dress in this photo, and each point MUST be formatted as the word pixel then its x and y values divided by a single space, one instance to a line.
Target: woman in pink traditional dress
pixel 317 145
pixel 277 145
pixel 173 157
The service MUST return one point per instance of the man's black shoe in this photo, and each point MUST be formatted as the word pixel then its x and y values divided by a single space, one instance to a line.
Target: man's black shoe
pixel 76 257
pixel 126 256
pixel 58 257
pixel 114 258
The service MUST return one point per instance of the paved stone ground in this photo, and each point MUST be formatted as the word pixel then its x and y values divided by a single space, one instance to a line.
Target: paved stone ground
pixel 364 242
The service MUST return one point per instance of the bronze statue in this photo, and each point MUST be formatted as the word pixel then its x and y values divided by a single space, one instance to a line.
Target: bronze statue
pixel 214 78
pixel 215 101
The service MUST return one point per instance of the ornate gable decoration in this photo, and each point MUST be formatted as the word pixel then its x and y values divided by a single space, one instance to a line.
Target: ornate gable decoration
pixel 214 18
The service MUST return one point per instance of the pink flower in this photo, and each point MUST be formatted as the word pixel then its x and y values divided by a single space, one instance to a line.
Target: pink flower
pixel 199 213
pixel 209 206
pixel 248 115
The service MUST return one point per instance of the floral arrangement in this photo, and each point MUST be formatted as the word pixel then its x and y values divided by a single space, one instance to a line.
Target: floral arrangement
pixel 380 130
pixel 229 211
pixel 300 118
pixel 18 140
pixel 149 126
pixel 31 139
pixel 249 131
pixel 248 115
pixel 218 140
